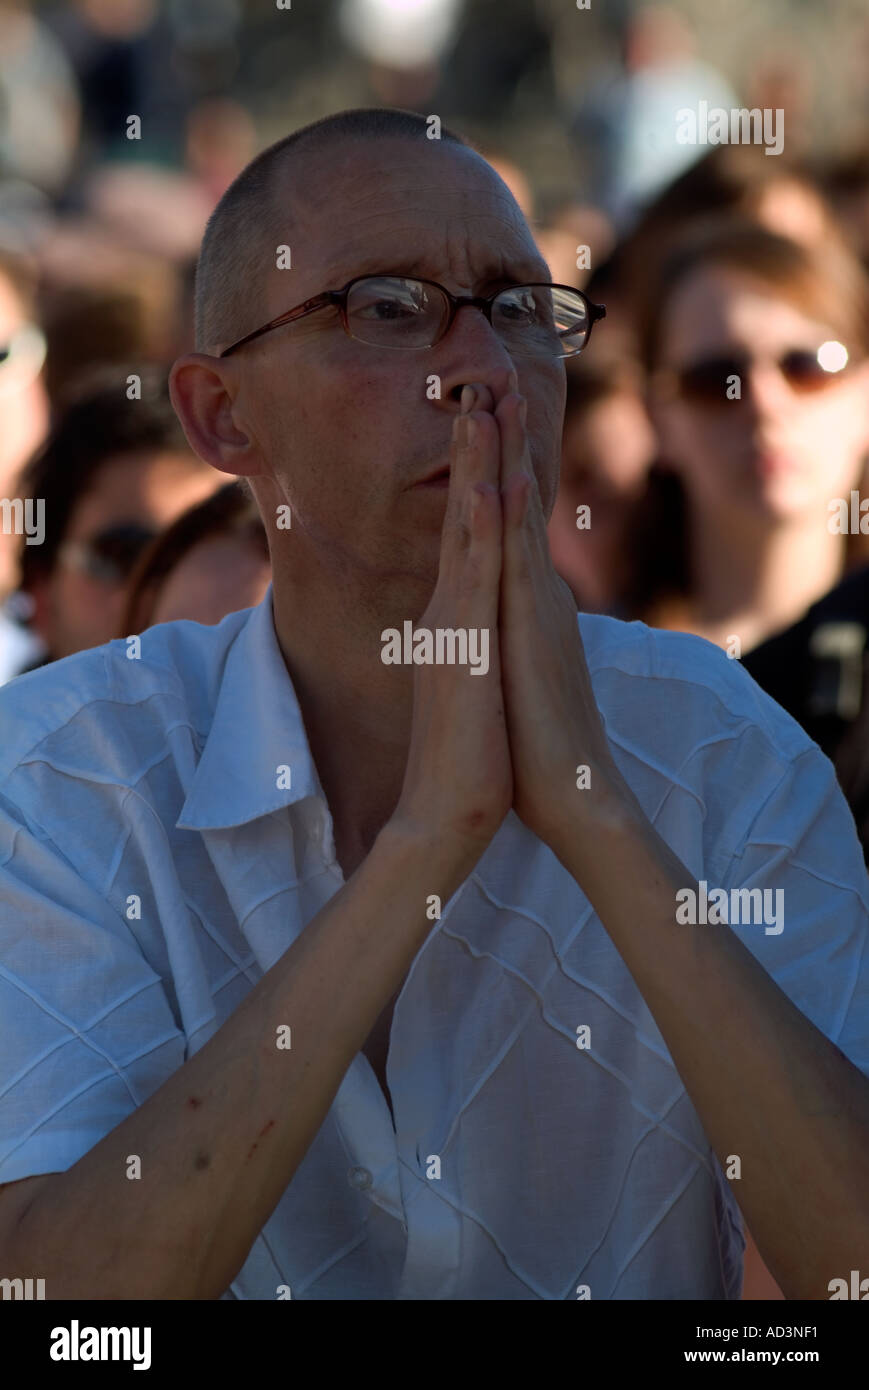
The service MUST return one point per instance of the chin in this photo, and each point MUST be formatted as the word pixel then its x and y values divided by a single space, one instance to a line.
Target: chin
pixel 791 503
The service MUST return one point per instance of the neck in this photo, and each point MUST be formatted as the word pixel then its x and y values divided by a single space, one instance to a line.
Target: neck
pixel 357 711
pixel 756 580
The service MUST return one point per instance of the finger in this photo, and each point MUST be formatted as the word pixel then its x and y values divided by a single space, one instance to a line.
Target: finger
pixel 516 463
pixel 476 395
pixel 516 551
pixel 516 484
pixel 480 578
pixel 511 415
pixel 474 458
pixel 515 495
pixel 526 559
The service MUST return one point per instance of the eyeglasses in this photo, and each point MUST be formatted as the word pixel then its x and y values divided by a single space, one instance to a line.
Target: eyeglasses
pixel 109 556
pixel 708 380
pixel 393 312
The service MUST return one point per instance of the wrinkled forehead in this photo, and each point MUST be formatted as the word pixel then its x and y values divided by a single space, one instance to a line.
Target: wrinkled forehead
pixel 420 207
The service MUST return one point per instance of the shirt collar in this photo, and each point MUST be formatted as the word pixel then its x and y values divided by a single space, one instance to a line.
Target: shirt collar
pixel 257 730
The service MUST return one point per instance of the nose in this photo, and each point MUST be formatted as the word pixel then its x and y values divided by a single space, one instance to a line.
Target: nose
pixel 471 351
pixel 769 394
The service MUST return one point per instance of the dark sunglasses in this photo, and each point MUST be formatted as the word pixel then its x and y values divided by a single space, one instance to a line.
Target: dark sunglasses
pixel 708 380
pixel 110 555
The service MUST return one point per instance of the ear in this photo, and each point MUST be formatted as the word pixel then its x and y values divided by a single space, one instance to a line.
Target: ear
pixel 203 392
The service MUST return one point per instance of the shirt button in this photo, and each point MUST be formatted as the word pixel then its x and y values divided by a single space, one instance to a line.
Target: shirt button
pixel 360 1178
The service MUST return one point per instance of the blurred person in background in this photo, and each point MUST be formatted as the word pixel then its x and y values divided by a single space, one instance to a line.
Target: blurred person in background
pixel 818 670
pixel 626 124
pixel 735 541
pixel 212 560
pixel 732 180
pixel 104 304
pixel 846 182
pixel 779 77
pixel 141 57
pixel 608 447
pixel 403 45
pixel 39 101
pixel 220 138
pixel 759 388
pixel 113 472
pixel 783 195
pixel 24 417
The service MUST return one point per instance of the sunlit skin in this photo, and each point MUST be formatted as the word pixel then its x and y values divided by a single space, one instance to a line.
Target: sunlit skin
pixel 75 610
pixel 218 576
pixel 759 472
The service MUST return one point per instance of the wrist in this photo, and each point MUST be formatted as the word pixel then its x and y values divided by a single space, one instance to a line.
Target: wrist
pixel 447 858
pixel 600 805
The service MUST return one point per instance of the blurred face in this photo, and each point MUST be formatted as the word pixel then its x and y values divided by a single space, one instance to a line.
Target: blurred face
pixel 216 577
pixel 607 450
pixel 80 604
pixel 776 454
pixel 23 410
pixel 346 432
pixel 606 453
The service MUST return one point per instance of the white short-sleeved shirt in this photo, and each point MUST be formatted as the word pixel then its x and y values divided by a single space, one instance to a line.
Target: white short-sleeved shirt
pixel 154 864
pixel 18 647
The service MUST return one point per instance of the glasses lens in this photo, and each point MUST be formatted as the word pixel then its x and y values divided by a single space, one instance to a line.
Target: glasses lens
pixel 393 312
pixel 541 320
pixel 707 382
pixel 114 552
pixel 804 371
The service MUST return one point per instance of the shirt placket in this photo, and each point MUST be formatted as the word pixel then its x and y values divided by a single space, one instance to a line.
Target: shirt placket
pixel 434 1235
pixel 433 1225
pixel 365 1124
pixel 387 1169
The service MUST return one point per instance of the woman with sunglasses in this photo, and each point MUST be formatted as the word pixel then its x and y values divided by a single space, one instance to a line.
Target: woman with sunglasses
pixel 112 474
pixel 757 351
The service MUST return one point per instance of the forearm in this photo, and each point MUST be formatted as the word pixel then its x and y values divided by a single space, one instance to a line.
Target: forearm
pixel 220 1141
pixel 767 1085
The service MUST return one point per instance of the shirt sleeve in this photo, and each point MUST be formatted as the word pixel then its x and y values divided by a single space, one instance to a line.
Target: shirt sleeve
pixel 814 942
pixel 86 1030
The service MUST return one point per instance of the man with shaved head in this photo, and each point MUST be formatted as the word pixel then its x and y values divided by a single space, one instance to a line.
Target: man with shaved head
pixel 340 962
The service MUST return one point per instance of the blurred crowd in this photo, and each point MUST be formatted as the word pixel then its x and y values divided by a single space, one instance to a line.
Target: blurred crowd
pixel 717 430
pixel 715 424
pixel 716 436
